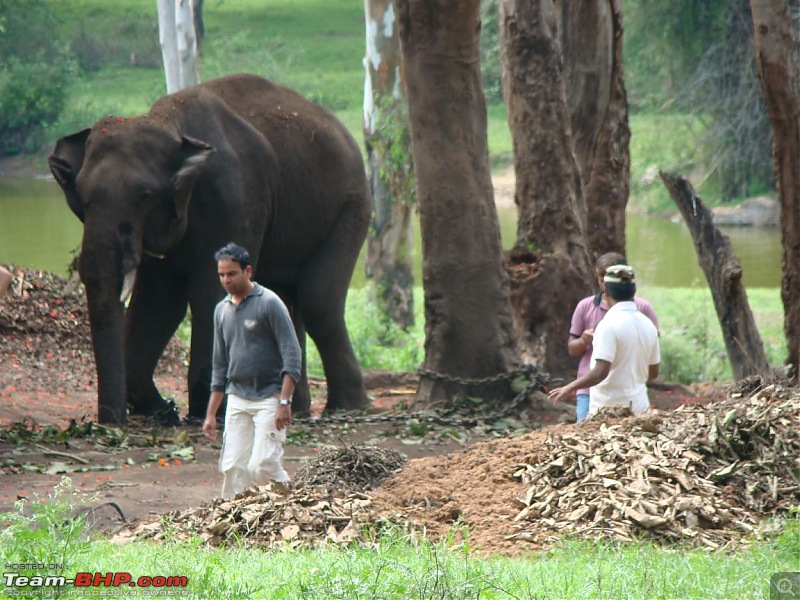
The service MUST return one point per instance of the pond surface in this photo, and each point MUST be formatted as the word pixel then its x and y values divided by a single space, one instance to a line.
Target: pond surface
pixel 38 230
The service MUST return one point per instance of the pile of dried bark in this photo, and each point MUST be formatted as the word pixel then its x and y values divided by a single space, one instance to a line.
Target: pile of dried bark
pixel 701 474
pixel 325 504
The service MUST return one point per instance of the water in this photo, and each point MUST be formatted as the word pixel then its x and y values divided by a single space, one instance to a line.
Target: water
pixel 38 230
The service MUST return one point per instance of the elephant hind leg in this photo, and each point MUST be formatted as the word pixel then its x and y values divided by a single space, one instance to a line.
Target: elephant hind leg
pixel 321 294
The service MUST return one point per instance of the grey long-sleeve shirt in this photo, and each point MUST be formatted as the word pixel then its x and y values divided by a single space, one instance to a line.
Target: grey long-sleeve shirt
pixel 254 345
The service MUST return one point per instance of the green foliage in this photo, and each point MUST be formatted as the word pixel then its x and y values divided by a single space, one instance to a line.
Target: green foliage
pixel 393 138
pixel 664 42
pixel 692 349
pixel 697 56
pixel 31 99
pixel 379 343
pixel 34 72
pixel 45 531
pixel 491 68
pixel 131 41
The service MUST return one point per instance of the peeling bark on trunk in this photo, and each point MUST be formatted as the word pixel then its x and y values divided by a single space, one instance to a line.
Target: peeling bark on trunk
pixel 390 243
pixel 549 265
pixel 169 44
pixel 468 326
pixel 176 34
pixel 724 275
pixel 778 72
pixel 606 184
pixel 187 44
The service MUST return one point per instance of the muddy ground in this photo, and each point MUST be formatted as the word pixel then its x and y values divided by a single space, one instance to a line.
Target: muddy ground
pixel 48 382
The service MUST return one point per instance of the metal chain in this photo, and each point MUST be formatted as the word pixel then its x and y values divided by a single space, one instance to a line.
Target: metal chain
pixel 536 380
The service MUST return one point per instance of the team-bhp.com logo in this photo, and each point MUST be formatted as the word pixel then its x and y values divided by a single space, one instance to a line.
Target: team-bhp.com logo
pixel 15 581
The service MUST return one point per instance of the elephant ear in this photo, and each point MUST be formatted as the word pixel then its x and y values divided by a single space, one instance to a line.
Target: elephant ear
pixel 66 162
pixel 195 158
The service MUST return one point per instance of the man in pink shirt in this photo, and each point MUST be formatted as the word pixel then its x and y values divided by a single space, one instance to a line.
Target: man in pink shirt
pixel 626 354
pixel 589 312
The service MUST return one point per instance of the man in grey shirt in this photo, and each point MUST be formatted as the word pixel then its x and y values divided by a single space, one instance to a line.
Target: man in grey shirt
pixel 256 362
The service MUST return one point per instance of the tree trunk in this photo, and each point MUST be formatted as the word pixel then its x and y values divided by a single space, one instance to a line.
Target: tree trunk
pixel 586 38
pixel 724 275
pixel 606 179
pixel 199 26
pixel 777 70
pixel 390 243
pixel 549 265
pixel 176 35
pixel 468 325
pixel 187 43
pixel 169 44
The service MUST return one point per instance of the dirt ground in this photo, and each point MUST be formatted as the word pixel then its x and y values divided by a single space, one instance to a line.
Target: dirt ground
pixel 48 381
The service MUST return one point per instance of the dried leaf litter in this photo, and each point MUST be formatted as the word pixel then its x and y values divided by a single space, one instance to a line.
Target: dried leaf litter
pixel 700 476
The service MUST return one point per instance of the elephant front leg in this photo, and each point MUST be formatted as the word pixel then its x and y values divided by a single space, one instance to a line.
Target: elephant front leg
pixel 157 307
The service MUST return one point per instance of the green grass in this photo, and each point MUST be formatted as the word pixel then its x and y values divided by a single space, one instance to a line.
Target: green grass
pixel 692 349
pixel 395 565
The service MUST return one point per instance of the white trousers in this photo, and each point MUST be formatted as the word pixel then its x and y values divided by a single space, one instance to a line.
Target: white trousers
pixel 252 447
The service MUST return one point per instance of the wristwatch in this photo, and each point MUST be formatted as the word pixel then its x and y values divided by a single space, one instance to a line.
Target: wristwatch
pixel 285 401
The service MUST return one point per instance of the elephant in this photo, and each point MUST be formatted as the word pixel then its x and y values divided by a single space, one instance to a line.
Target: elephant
pixel 236 159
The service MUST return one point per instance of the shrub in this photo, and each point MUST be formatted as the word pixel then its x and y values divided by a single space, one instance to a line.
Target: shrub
pixel 34 71
pixel 46 532
pixel 31 99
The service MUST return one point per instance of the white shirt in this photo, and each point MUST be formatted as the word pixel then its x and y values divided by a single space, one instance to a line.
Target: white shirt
pixel 629 341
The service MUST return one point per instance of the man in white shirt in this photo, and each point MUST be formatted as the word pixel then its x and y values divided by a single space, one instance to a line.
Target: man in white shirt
pixel 626 352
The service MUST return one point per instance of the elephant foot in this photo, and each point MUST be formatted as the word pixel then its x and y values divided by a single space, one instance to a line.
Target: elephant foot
pixel 164 413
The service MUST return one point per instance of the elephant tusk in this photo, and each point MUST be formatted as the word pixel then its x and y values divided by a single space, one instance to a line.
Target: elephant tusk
pixel 127 286
pixel 153 254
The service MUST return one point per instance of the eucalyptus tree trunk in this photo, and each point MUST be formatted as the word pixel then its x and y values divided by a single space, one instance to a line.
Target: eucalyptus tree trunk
pixel 591 41
pixel 390 243
pixel 777 69
pixel 468 325
pixel 176 35
pixel 549 264
pixel 169 44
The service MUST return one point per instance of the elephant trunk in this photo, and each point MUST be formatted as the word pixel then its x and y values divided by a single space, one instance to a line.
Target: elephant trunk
pixel 106 317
